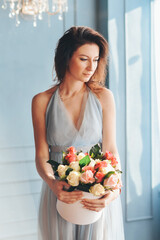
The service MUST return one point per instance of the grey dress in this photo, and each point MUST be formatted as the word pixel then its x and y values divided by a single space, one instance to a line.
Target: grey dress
pixel 61 133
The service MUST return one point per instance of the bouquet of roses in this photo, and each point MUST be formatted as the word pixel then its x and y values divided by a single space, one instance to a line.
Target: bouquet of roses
pixel 92 172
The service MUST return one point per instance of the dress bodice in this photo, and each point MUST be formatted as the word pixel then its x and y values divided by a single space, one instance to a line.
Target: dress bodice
pixel 62 133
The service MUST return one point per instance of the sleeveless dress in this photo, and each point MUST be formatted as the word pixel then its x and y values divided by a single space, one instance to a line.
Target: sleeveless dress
pixel 62 133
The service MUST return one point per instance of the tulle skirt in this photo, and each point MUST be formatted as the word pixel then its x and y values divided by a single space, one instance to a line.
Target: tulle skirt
pixel 51 226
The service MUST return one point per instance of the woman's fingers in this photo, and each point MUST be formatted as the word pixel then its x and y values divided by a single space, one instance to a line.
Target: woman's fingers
pixel 72 194
pixel 96 203
pixel 63 195
pixel 94 206
pixel 94 209
pixel 69 197
pixel 99 204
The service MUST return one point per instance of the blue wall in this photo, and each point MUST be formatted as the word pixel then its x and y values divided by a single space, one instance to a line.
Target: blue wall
pixel 26 61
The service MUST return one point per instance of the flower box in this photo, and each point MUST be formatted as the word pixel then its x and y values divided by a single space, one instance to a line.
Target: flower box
pixel 76 213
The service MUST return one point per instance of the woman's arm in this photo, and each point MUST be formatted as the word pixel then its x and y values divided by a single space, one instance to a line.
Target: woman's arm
pixel 108 144
pixel 39 106
pixel 109 124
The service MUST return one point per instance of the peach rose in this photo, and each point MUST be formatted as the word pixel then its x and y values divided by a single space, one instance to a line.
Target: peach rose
pixel 85 168
pixel 87 177
pixel 113 182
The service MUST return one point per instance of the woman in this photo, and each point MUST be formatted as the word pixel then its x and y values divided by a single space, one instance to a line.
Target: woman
pixel 78 112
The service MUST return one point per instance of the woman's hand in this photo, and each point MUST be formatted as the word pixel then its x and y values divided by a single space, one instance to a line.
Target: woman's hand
pixel 59 188
pixel 100 203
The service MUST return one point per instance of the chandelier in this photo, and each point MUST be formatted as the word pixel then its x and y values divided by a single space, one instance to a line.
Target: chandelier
pixel 34 9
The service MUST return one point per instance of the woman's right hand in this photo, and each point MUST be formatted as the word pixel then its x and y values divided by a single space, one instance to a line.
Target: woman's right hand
pixel 58 187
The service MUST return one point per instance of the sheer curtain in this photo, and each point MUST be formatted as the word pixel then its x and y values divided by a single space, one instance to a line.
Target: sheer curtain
pixel 155 28
pixel 155 74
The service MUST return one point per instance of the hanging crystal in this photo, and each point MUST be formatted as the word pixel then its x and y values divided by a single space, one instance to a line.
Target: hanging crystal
pixel 35 9
pixel 4 5
pixel 35 21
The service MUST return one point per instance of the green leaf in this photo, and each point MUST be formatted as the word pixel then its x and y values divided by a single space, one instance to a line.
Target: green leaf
pixel 68 171
pixel 84 187
pixel 95 152
pixel 109 174
pixel 62 178
pixel 91 154
pixel 84 161
pixel 65 162
pixel 71 189
pixel 118 171
pixel 56 174
pixel 54 164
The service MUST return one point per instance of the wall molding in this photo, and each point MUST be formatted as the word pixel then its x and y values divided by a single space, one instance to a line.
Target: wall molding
pixel 143 217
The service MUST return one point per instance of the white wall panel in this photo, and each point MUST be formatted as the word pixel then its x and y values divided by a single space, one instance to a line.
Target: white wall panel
pixel 18 229
pixel 130 80
pixel 26 236
pixel 20 188
pixel 16 154
pixel 18 208
pixel 138 110
pixel 18 172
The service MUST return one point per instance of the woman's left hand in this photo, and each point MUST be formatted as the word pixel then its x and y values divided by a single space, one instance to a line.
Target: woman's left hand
pixel 100 203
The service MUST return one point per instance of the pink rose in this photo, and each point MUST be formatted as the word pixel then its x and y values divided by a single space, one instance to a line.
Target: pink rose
pixel 85 168
pixel 70 157
pixel 100 165
pixel 108 155
pixel 114 161
pixel 99 177
pixel 71 150
pixel 87 177
pixel 113 182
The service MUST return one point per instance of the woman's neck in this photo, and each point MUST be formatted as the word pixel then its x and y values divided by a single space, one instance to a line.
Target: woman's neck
pixel 69 88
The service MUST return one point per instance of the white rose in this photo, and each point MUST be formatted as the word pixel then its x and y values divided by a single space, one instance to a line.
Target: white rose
pixel 97 189
pixel 92 163
pixel 97 161
pixel 75 166
pixel 62 170
pixel 73 178
pixel 107 169
pixel 80 156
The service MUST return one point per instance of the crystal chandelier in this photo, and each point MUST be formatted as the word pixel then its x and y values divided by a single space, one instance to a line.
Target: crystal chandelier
pixel 34 9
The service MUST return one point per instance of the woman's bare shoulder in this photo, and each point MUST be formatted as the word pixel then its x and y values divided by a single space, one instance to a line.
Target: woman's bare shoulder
pixel 105 97
pixel 42 99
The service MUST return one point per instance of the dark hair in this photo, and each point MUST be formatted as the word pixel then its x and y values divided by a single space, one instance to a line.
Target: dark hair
pixel 72 39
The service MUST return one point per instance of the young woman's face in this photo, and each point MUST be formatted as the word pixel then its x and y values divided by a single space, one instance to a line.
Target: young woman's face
pixel 84 62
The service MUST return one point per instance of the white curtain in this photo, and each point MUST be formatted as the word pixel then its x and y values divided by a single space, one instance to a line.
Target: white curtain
pixel 155 30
